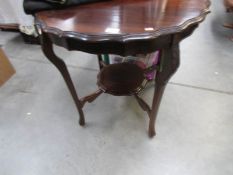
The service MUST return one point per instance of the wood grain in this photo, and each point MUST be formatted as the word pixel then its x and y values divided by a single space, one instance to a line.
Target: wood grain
pixel 126 18
pixel 118 26
pixel 123 27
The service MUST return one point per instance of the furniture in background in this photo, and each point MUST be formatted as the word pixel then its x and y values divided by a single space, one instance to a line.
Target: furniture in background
pixel 229 5
pixel 34 6
pixel 13 18
pixel 6 68
pixel 229 8
pixel 127 27
pixel 12 14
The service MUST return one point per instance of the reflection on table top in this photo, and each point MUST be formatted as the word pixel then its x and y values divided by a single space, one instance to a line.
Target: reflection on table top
pixel 120 17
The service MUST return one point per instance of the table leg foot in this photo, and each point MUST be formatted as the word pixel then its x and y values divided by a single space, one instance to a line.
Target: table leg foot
pixel 81 121
pixel 151 132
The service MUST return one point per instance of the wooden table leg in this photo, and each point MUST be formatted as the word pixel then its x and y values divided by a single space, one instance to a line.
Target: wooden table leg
pixel 47 48
pixel 100 61
pixel 170 64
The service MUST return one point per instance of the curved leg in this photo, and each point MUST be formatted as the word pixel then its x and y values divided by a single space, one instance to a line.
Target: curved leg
pixel 158 93
pixel 47 48
pixel 170 64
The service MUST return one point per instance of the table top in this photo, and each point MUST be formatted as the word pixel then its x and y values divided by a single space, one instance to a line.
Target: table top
pixel 122 17
pixel 123 20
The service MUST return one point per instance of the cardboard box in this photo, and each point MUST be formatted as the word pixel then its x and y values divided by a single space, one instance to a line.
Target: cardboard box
pixel 6 68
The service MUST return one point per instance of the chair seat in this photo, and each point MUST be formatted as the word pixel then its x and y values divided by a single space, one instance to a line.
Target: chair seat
pixel 121 79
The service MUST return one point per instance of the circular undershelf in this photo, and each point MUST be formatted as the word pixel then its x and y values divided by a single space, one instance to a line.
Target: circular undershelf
pixel 121 79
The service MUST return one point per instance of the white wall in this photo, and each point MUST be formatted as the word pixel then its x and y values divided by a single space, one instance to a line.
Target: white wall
pixel 11 11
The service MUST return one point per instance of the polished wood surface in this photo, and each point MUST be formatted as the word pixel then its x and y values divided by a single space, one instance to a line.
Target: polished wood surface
pixel 9 27
pixel 124 27
pixel 126 18
pixel 121 79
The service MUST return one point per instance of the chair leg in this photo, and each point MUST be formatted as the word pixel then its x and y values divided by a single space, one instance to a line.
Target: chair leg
pixel 47 48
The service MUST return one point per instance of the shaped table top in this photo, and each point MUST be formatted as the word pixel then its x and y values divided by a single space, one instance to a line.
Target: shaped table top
pixel 123 27
pixel 127 17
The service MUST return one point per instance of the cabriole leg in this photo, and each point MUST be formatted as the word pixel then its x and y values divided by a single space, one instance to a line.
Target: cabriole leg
pixel 170 64
pixel 47 48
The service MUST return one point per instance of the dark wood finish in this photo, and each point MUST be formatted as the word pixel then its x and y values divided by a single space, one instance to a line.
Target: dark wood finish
pixel 47 48
pixel 100 61
pixel 90 98
pixel 10 27
pixel 170 64
pixel 121 79
pixel 143 104
pixel 124 27
pixel 120 26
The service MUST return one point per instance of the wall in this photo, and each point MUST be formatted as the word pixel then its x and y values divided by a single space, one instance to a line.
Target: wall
pixel 11 11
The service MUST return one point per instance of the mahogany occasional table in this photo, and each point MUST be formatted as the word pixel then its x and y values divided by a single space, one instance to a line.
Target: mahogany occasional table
pixel 123 27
